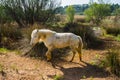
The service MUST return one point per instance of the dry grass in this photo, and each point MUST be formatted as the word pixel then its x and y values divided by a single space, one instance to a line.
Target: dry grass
pixel 28 30
pixel 112 61
pixel 111 25
pixel 79 18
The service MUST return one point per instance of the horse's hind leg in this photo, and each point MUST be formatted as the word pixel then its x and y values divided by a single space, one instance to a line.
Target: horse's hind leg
pixel 79 50
pixel 74 52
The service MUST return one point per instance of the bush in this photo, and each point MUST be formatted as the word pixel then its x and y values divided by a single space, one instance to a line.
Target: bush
pixel 26 12
pixel 112 61
pixel 96 12
pixel 111 26
pixel 70 14
pixel 8 35
pixel 113 30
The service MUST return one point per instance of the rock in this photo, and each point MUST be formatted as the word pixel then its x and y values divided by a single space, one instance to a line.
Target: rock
pixel 97 31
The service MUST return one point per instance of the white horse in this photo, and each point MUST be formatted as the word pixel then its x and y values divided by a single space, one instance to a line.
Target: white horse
pixel 53 40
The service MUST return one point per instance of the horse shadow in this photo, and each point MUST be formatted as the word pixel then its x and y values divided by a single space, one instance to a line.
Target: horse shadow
pixel 78 73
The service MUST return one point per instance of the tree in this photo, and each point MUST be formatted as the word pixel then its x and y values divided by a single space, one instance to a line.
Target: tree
pixel 117 12
pixel 97 11
pixel 70 14
pixel 117 15
pixel 30 11
pixel 3 16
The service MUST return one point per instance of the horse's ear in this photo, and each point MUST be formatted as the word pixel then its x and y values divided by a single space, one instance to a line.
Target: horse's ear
pixel 37 30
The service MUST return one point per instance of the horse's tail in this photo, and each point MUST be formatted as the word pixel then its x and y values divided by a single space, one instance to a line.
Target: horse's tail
pixel 80 46
pixel 80 42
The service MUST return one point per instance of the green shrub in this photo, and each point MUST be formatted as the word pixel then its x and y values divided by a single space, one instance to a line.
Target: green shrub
pixel 112 61
pixel 118 37
pixel 96 12
pixel 3 50
pixel 70 14
pixel 113 30
pixel 58 77
pixel 9 34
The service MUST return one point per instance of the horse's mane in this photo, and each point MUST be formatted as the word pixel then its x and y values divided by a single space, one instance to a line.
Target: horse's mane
pixel 46 31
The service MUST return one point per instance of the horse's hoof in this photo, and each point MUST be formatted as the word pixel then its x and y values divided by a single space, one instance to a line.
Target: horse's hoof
pixel 48 60
pixel 71 60
pixel 80 60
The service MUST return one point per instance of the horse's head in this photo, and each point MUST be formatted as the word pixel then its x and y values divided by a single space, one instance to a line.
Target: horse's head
pixel 40 35
pixel 34 37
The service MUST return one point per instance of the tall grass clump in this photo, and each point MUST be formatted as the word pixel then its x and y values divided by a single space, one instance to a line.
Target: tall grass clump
pixel 112 61
pixel 8 35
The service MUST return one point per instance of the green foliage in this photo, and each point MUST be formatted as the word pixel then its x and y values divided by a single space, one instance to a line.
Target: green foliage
pixel 117 12
pixel 70 14
pixel 112 61
pixel 3 50
pixel 118 37
pixel 96 12
pixel 113 8
pixel 3 16
pixel 58 77
pixel 79 9
pixel 30 11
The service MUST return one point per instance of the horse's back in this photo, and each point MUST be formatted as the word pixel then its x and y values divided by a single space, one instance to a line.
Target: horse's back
pixel 65 39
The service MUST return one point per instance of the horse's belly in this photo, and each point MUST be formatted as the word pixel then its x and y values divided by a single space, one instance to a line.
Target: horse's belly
pixel 60 44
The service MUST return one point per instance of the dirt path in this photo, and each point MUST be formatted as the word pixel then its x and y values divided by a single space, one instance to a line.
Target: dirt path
pixel 15 67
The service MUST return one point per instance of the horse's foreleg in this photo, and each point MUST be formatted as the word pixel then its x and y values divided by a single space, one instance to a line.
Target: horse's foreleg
pixel 48 55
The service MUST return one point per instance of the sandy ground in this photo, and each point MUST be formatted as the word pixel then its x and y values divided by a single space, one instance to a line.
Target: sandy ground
pixel 16 67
